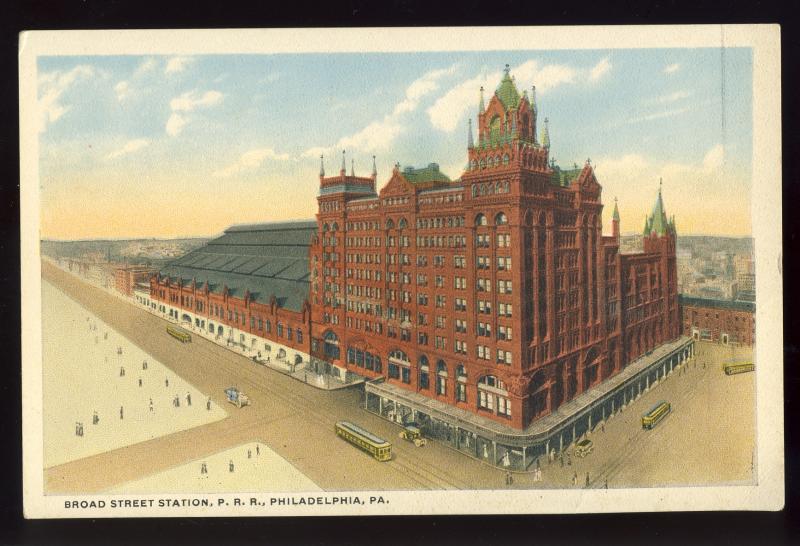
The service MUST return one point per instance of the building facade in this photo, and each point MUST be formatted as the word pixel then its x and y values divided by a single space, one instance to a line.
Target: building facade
pixel 496 295
pixel 719 321
pixel 127 277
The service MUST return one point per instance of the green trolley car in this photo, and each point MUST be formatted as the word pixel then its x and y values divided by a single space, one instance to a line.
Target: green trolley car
pixel 364 440
pixel 180 334
pixel 656 414
pixel 742 367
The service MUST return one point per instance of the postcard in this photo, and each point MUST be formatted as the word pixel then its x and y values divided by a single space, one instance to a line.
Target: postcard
pixel 399 271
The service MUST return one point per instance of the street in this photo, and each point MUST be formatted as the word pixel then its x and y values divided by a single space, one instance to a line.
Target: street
pixel 708 437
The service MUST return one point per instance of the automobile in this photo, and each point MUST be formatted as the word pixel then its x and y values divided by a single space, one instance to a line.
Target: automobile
pixel 237 397
pixel 411 433
pixel 583 448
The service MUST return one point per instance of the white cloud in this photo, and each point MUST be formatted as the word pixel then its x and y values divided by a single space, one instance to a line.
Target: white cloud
pixel 672 97
pixel 659 115
pixel 380 134
pixel 145 66
pixel 250 160
pixel 123 90
pixel 129 147
pixel 175 124
pixel 672 68
pixel 177 64
pixel 599 70
pixel 52 86
pixel 191 100
pixel 714 159
pixel 186 103
pixel 447 112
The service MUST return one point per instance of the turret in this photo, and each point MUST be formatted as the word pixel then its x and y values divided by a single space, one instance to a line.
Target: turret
pixel 615 221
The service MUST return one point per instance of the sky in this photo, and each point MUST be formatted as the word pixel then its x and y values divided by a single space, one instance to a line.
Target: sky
pixel 159 146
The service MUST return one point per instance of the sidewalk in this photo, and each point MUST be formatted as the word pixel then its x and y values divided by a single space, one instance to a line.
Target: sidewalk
pixel 297 372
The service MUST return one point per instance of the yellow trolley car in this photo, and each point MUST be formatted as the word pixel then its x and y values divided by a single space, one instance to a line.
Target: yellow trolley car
pixel 656 414
pixel 742 367
pixel 178 333
pixel 364 440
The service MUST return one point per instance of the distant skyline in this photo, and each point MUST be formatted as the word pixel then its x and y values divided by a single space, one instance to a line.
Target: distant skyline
pixel 157 146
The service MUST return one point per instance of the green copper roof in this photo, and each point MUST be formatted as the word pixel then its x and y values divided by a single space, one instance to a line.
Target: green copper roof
pixel 615 215
pixel 563 177
pixel 507 92
pixel 657 223
pixel 424 175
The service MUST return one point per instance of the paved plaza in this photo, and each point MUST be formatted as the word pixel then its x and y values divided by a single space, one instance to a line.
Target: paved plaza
pixel 708 438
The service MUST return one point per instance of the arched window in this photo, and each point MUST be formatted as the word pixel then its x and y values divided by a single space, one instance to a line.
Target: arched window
pixel 480 220
pixel 500 219
pixel 475 190
pixel 482 164
pixel 335 227
pixel 402 224
pixel 331 344
pixel 473 164
pixel 424 376
pixel 461 371
pixel 505 159
pixel 389 224
pixel 280 330
pixel 325 227
pixel 298 359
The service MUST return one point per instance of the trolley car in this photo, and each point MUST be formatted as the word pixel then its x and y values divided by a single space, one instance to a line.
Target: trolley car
pixel 743 367
pixel 181 335
pixel 364 440
pixel 656 414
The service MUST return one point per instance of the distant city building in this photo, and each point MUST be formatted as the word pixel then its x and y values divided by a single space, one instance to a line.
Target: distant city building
pixel 719 321
pixel 127 277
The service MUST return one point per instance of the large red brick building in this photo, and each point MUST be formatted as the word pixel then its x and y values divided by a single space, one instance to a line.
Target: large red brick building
pixel 496 294
pixel 719 321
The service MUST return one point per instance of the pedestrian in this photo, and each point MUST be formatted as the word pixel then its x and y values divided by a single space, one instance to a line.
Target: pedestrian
pixel 122 371
pixel 140 381
pixel 77 429
pixel 177 401
pixel 230 465
pixel 95 418
pixel 121 413
pixel 151 404
pixel 602 427
pixel 249 454
pixel 188 399
pixel 166 381
pixel 605 485
pixel 80 429
pixel 569 459
pixel 258 451
pixel 587 479
pixel 144 364
pixel 561 460
pixel 203 469
pixel 208 404
pixel 575 479
pixel 537 463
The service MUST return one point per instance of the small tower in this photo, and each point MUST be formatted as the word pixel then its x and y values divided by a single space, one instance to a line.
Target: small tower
pixel 343 170
pixel 321 166
pixel 374 170
pixel 470 141
pixel 615 221
pixel 546 134
pixel 352 167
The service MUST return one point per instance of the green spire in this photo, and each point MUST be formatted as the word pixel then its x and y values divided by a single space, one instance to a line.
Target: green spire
pixel 546 134
pixel 657 223
pixel 615 215
pixel 507 91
